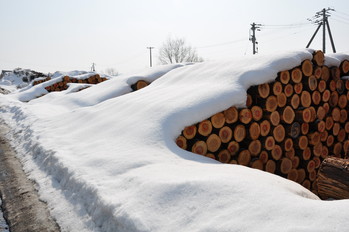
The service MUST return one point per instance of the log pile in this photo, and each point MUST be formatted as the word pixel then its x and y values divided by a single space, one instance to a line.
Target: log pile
pixel 139 85
pixel 288 127
pixel 63 85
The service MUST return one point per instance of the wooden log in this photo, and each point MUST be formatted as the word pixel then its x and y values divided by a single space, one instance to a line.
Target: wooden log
pixel 274 118
pixel 321 126
pixel 326 95
pixel 307 68
pixel 181 142
pixel 317 72
pixel 347 84
pixel 255 147
pixel 333 178
pixel 298 88
pixel 336 114
pixel 332 85
pixel 344 67
pixel 189 132
pixel 333 101
pixel 346 149
pixel 205 128
pixel 244 157
pixel 288 115
pixel 265 127
pixel 269 143
pixel 233 148
pixel 342 101
pixel 249 101
pixel 316 97
pixel 225 134
pixel 346 127
pixel 290 154
pixel 233 161
pixel 293 175
pixel 329 141
pixel 257 113
pixel 324 153
pixel 257 164
pixel 270 166
pixel 287 144
pixel 218 119
pixel 337 149
pixel 271 104
pixel 329 123
pixel 323 136
pixel 264 90
pixel 277 88
pixel 317 162
pixel 279 133
pixel 239 133
pixel 344 116
pixel 224 156
pixel 284 77
pixel 288 90
pixel 295 162
pixel 304 115
pixel 326 107
pixel 306 153
pixel 321 113
pixel 213 143
pixel 313 138
pixel 322 86
pixel 231 115
pixel 312 176
pixel 302 142
pixel 340 86
pixel 293 130
pixel 301 175
pixel 310 166
pixel 304 128
pixel 264 156
pixel 318 58
pixel 336 128
pixel 210 155
pixel 325 73
pixel 254 131
pixel 305 99
pixel 335 73
pixel 295 101
pixel 317 149
pixel 306 184
pixel 296 75
pixel 276 152
pixel 245 116
pixel 199 147
pixel 285 165
pixel 282 100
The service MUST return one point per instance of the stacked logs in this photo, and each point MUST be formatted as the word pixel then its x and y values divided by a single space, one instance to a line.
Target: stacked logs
pixel 63 85
pixel 36 82
pixel 288 127
pixel 139 85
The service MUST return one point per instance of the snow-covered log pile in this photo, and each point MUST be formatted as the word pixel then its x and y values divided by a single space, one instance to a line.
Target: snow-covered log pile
pixel 288 126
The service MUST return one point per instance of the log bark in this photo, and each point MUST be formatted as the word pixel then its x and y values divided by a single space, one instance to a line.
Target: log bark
pixel 333 178
pixel 231 115
pixel 213 143
pixel 218 119
pixel 205 128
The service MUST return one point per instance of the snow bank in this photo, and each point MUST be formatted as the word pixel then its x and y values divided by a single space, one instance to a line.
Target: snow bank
pixel 107 161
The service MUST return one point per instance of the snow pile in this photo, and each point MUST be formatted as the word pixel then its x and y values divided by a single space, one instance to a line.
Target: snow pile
pixel 105 160
pixel 19 78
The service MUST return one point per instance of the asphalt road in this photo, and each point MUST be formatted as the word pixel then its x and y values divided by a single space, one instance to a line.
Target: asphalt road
pixel 22 208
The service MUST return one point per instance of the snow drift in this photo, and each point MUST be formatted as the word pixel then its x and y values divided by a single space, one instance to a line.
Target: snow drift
pixel 105 159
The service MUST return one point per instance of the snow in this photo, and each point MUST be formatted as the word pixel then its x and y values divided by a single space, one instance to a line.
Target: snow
pixel 105 158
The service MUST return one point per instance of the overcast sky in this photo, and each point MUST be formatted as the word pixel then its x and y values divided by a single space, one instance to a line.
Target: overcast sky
pixel 65 35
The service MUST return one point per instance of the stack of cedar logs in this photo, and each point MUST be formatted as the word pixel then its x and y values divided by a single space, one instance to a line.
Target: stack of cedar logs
pixel 288 127
pixel 36 82
pixel 63 85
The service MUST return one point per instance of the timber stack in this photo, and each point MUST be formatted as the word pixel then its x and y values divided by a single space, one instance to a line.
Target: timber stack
pixel 289 126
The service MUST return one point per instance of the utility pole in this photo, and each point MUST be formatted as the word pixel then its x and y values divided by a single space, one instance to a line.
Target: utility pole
pixel 321 18
pixel 253 29
pixel 93 67
pixel 150 48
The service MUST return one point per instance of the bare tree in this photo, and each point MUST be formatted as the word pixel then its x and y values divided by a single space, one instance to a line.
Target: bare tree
pixel 111 72
pixel 177 51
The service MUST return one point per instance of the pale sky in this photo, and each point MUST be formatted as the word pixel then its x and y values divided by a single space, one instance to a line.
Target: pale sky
pixel 65 35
